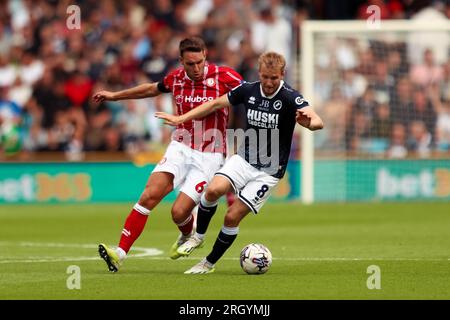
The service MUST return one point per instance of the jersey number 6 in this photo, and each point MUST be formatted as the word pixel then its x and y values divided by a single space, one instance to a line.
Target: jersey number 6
pixel 200 187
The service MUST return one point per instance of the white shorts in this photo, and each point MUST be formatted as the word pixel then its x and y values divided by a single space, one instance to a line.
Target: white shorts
pixel 253 186
pixel 192 169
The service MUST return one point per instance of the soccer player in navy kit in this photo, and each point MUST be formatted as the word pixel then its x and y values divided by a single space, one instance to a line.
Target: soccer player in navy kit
pixel 271 106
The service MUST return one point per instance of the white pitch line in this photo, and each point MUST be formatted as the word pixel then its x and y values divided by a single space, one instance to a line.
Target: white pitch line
pixel 155 254
pixel 319 259
pixel 143 255
pixel 147 252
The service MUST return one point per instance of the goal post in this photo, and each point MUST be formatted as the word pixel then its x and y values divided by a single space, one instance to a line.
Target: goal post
pixel 320 57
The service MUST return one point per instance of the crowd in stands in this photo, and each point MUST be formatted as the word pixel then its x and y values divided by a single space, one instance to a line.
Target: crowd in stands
pixel 48 72
pixel 387 97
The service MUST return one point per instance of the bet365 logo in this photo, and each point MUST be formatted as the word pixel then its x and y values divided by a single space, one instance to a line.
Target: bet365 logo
pixel 43 187
pixel 427 183
pixel 63 187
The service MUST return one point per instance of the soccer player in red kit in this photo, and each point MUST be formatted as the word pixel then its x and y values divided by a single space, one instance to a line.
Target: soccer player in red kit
pixel 192 157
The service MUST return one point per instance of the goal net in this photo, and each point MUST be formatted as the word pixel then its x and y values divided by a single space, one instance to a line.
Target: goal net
pixel 384 96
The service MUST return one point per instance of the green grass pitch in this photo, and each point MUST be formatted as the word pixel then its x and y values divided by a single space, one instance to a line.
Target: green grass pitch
pixel 320 252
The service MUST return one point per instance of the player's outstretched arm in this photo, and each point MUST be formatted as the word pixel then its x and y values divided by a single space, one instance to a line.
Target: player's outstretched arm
pixel 307 118
pixel 141 91
pixel 196 113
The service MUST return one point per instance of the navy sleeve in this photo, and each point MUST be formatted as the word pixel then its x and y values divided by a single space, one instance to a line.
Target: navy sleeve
pixel 236 95
pixel 299 101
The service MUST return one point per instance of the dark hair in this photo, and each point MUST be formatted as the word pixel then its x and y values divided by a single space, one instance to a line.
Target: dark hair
pixel 192 44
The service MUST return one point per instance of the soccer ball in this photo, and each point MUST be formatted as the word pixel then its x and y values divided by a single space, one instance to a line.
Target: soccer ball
pixel 255 258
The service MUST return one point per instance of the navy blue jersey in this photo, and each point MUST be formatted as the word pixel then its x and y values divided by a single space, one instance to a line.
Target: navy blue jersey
pixel 270 123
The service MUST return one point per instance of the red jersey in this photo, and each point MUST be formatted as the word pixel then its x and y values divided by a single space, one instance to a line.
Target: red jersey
pixel 209 133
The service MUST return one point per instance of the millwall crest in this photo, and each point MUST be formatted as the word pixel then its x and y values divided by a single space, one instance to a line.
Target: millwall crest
pixel 277 105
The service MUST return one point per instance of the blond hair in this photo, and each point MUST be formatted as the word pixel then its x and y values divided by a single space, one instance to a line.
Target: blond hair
pixel 272 60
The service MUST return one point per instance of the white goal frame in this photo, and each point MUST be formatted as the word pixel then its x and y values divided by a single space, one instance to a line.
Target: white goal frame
pixel 308 30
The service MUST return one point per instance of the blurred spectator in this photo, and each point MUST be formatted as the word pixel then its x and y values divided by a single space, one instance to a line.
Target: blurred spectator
pixel 444 86
pixel 397 62
pixel 271 33
pixel 163 12
pixel 78 89
pixel 419 141
pixel 10 118
pixel 345 55
pixel 428 72
pixel 401 101
pixel 7 71
pixel 366 103
pixel 358 129
pixel 96 63
pixel 141 45
pixel 323 85
pixel 336 112
pixel 129 66
pixel 396 9
pixel 132 123
pixel 397 148
pixel 10 112
pixel 443 127
pixel 157 63
pixel 135 13
pixel 197 10
pixel 366 66
pixel 353 84
pixel 35 136
pixel 99 119
pixel 423 110
pixel 20 92
pixel 113 140
pixel 442 133
pixel 438 42
pixel 31 69
pixel 382 122
pixel 6 39
pixel 383 83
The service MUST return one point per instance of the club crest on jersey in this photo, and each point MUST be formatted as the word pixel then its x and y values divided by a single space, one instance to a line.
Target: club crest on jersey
pixel 179 99
pixel 210 82
pixel 251 100
pixel 277 105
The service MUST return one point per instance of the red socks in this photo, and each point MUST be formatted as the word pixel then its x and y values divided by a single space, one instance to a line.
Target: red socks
pixel 134 225
pixel 186 226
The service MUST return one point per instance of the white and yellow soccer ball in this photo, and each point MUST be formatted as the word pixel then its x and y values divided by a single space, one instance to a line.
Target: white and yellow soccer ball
pixel 255 258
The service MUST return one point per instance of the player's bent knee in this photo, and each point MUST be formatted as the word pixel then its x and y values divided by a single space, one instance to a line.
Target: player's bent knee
pixel 150 198
pixel 213 193
pixel 179 215
pixel 232 219
pixel 157 190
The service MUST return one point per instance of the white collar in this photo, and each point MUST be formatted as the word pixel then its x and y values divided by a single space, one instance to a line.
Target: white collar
pixel 274 94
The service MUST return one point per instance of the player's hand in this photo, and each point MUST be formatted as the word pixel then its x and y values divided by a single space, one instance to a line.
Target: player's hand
pixel 104 96
pixel 169 119
pixel 303 118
